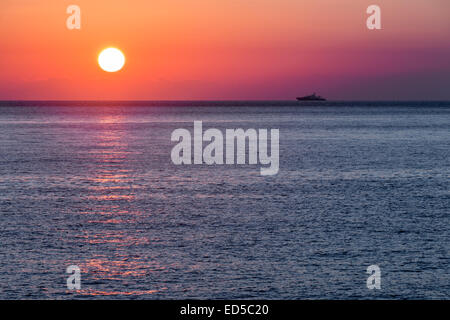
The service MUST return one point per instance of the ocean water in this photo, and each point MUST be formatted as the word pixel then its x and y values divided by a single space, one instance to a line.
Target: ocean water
pixel 92 184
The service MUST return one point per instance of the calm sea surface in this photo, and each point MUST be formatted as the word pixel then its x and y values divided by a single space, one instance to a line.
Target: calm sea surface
pixel 93 185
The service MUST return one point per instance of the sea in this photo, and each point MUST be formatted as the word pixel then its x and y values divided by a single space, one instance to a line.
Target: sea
pixel 91 184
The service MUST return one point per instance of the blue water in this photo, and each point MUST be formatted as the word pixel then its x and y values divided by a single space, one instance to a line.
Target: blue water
pixel 92 184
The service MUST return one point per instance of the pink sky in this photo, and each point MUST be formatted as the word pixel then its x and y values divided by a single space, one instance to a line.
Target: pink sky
pixel 226 49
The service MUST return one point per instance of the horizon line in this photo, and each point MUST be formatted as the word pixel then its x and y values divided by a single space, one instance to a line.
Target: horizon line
pixel 220 100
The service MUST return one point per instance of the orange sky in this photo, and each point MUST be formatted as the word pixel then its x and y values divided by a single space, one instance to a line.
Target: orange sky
pixel 226 49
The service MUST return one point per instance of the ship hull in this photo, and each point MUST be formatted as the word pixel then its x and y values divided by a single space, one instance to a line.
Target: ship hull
pixel 311 99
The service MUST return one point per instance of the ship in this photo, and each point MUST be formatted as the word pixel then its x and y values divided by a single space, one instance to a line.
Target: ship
pixel 312 97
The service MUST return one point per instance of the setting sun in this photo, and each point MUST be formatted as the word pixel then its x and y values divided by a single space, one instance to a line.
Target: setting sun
pixel 111 60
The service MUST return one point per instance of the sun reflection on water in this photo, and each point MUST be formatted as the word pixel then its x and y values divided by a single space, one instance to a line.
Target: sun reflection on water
pixel 113 219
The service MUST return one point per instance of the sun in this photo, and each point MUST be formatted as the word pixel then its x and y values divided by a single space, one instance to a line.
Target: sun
pixel 111 60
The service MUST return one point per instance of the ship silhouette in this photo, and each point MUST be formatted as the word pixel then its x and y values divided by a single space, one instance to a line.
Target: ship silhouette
pixel 312 97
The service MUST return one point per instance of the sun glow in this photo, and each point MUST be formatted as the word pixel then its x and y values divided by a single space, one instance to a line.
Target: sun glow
pixel 111 60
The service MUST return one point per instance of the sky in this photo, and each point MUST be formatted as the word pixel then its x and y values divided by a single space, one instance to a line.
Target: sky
pixel 226 50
